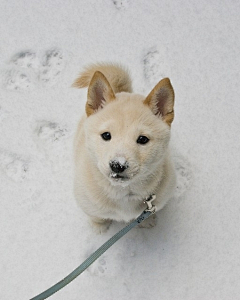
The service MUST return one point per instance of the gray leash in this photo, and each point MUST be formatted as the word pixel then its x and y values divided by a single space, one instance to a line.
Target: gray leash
pixel 144 215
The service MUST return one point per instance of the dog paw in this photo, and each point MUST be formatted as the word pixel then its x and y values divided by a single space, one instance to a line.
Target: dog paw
pixel 184 175
pixel 99 267
pixel 15 167
pixel 150 222
pixel 100 226
pixel 52 66
pixel 154 66
pixel 121 4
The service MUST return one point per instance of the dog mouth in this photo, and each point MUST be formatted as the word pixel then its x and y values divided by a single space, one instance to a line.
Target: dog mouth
pixel 118 178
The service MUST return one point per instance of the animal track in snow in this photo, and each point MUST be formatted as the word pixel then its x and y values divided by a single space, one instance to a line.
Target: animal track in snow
pixel 26 59
pixel 18 80
pixel 121 4
pixel 154 66
pixel 98 267
pixel 22 75
pixel 21 169
pixel 52 66
pixel 26 69
pixel 50 132
pixel 14 166
pixel 50 138
pixel 3 114
pixel 184 175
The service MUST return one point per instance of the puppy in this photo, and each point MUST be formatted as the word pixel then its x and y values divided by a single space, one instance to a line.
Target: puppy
pixel 121 147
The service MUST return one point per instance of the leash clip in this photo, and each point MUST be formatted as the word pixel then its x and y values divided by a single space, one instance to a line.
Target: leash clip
pixel 150 207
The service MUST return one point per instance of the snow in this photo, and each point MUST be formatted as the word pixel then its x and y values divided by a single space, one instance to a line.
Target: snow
pixel 193 252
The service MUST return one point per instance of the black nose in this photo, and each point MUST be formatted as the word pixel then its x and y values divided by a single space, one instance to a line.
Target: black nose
pixel 116 167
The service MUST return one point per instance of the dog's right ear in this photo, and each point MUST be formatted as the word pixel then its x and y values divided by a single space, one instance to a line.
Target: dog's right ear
pixel 99 93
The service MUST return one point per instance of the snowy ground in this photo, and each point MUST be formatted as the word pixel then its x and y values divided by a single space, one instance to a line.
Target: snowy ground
pixel 194 251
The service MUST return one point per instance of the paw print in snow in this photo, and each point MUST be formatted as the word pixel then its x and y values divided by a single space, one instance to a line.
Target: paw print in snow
pixel 155 67
pixel 22 75
pixel 184 175
pixel 50 132
pixel 99 267
pixel 121 4
pixel 52 66
pixel 26 59
pixel 15 167
pixel 18 80
pixel 3 114
pixel 52 140
pixel 27 70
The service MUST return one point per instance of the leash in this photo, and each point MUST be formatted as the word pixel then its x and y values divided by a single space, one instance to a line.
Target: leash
pixel 144 215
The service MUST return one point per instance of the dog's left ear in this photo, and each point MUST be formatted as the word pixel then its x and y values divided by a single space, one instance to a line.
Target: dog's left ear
pixel 99 93
pixel 161 100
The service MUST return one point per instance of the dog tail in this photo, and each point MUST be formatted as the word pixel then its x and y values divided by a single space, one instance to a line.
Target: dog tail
pixel 117 76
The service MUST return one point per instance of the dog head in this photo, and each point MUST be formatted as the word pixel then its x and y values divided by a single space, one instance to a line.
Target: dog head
pixel 127 134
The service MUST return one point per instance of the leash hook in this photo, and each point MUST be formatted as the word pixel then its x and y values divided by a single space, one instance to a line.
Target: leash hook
pixel 150 207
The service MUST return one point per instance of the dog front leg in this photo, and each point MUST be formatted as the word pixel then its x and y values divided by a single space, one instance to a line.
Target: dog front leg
pixel 100 225
pixel 149 223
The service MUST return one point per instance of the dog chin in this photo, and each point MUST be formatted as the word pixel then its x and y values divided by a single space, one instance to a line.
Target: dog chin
pixel 119 180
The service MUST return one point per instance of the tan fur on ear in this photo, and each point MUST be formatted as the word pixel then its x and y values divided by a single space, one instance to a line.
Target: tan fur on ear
pixel 99 93
pixel 161 100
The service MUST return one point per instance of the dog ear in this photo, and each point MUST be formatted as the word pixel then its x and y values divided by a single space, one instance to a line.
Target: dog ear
pixel 161 100
pixel 99 93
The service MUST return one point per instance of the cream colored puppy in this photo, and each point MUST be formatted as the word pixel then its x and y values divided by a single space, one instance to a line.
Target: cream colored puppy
pixel 121 147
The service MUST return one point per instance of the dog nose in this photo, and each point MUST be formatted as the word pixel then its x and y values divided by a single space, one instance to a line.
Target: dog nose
pixel 117 167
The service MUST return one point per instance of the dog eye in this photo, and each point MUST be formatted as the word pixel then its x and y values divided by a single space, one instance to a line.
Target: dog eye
pixel 106 136
pixel 142 140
